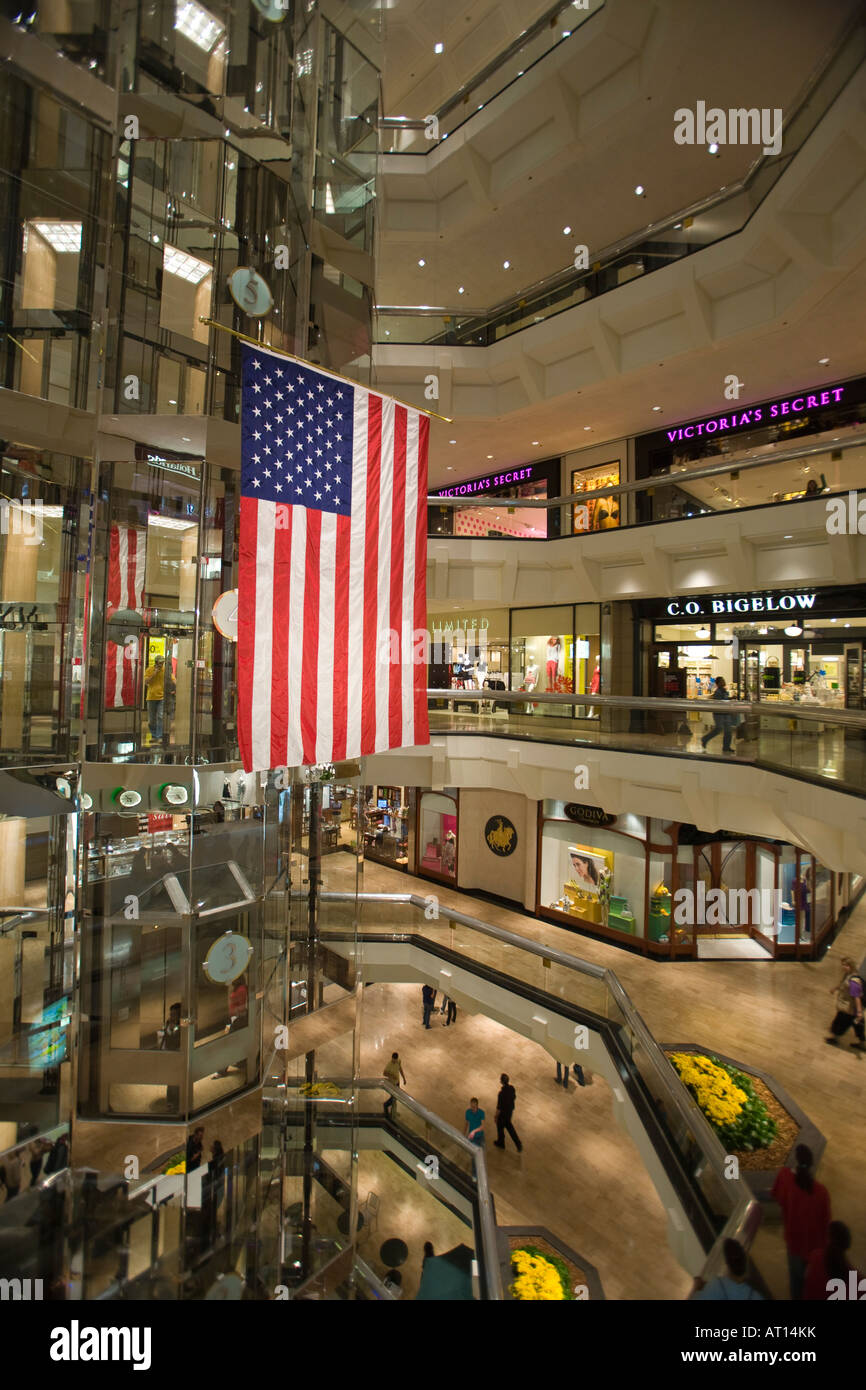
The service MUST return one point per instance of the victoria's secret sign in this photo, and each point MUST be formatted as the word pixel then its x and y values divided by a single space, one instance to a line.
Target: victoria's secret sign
pixel 756 414
pixel 491 480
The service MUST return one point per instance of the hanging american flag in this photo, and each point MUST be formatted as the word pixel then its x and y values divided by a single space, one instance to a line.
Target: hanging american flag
pixel 332 579
pixel 124 589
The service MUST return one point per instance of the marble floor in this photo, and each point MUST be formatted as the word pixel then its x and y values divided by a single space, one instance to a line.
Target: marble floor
pixel 773 1015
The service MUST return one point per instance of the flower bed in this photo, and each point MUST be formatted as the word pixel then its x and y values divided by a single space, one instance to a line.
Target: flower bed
pixel 729 1100
pixel 539 1275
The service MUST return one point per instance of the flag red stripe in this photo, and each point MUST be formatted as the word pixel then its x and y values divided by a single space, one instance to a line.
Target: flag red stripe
pixel 422 727
pixel 310 659
pixel 398 560
pixel 282 607
pixel 130 597
pixel 247 625
pixel 113 593
pixel 371 577
pixel 341 636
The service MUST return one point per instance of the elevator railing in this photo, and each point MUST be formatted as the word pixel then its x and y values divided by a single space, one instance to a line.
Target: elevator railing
pixel 693 1156
pixel 808 740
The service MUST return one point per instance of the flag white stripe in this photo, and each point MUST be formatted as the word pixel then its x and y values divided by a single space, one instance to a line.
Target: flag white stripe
pixel 140 543
pixel 326 673
pixel 294 755
pixel 123 565
pixel 408 622
pixel 383 597
pixel 354 673
pixel 261 693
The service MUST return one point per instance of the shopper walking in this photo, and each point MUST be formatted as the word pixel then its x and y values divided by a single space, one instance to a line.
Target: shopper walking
pixel 730 1287
pixel 449 1009
pixel 724 724
pixel 474 1126
pixel 805 1207
pixel 830 1263
pixel 394 1073
pixel 194 1148
pixel 154 686
pixel 504 1110
pixel 849 1007
pixel 428 1002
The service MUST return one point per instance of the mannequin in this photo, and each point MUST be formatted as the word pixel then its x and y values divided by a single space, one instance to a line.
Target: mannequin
pixel 595 682
pixel 530 676
pixel 554 654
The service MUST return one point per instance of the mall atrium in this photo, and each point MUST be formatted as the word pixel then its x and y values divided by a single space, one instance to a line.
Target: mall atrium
pixel 609 258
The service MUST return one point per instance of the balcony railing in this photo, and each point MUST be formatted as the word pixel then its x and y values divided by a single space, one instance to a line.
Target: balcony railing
pixel 734 482
pixel 807 740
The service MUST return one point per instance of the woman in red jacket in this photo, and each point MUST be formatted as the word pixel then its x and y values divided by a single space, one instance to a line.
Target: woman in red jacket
pixel 805 1207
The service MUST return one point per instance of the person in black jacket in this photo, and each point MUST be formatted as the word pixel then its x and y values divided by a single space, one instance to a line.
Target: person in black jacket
pixel 428 999
pixel 504 1111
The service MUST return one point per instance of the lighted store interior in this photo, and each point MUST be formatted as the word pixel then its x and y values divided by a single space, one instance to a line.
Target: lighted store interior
pixel 814 658
pixel 535 481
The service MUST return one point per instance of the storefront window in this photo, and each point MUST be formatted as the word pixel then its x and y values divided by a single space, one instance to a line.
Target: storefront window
pixel 437 834
pixel 556 650
pixel 386 837
pixel 592 874
pixel 529 481
pixel 599 513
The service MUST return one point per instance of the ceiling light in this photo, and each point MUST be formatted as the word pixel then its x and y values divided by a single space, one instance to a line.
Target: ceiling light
pixel 506 265
pixel 61 236
pixel 176 262
pixel 847 624
pixel 823 361
pixel 422 262
pixel 639 190
pixel 172 402
pixel 702 633
pixel 794 630
pixel 490 456
pixel 713 148
pixel 787 538
pixel 678 226
pixel 587 427
pixel 198 24
pixel 762 631
pixel 656 407
pixel 438 48
pixel 155 238
pixel 170 523
pixel 387 332
pixel 536 443
pixel 461 290
pixel 452 441
pixel 834 620
pixel 566 231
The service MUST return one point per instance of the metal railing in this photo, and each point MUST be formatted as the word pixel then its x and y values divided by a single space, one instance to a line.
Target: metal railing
pixel 701 1155
pixel 676 495
pixel 473 1152
pixel 778 736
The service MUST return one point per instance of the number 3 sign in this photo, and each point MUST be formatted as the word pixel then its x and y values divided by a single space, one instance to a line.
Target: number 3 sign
pixel 227 958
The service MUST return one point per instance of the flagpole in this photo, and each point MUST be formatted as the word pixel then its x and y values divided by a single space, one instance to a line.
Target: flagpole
pixel 245 338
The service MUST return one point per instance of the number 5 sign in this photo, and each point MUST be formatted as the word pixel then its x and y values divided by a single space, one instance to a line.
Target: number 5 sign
pixel 227 958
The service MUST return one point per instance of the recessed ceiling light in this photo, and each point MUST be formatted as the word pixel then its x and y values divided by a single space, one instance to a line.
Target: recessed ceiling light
pixel 834 620
pixel 823 361
pixel 387 332
pixel 847 624
pixel 639 190
pixel 536 443
pixel 506 265
pixel 490 456
pixel 461 290
pixel 713 148
pixel 587 427
pixel 176 262
pixel 678 226
pixel 438 48
pixel 61 236
pixel 787 538
pixel 566 231
pixel 450 468
pixel 452 441
pixel 422 261
pixel 656 407
pixel 198 24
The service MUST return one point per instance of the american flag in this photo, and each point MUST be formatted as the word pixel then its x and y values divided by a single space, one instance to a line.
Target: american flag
pixel 332 578
pixel 125 589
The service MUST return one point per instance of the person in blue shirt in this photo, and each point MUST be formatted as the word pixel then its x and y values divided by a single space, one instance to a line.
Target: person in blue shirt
pixel 723 724
pixel 474 1128
pixel 730 1286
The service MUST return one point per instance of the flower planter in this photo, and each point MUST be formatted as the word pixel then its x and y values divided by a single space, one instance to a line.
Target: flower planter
pixel 580 1271
pixel 759 1166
